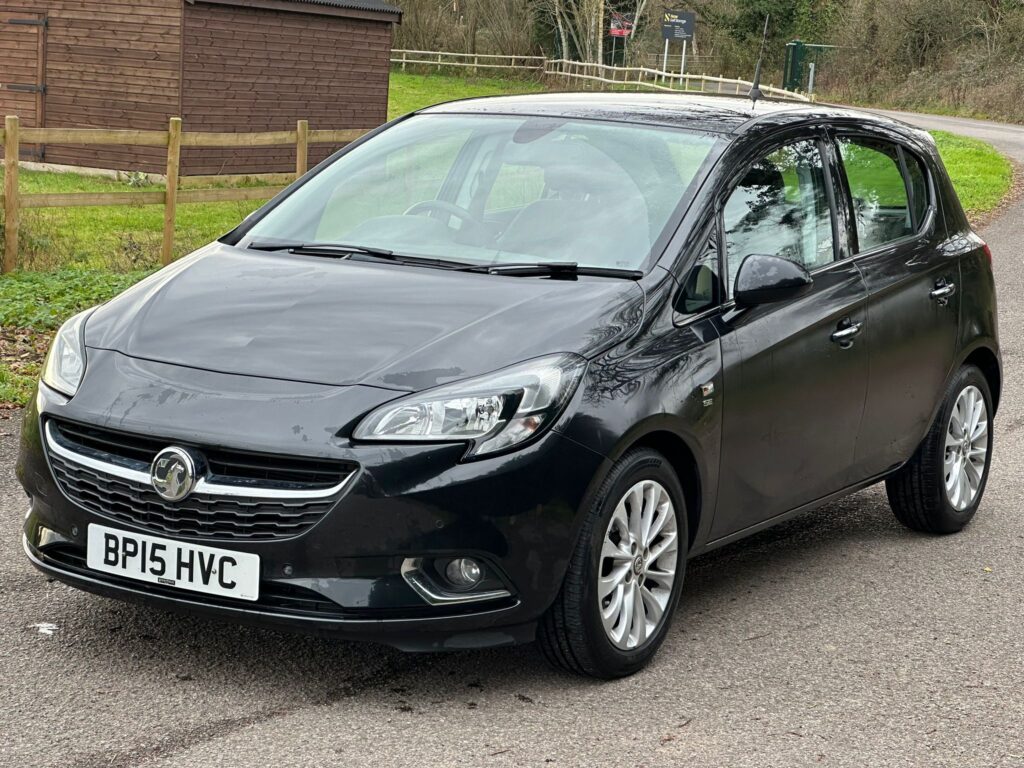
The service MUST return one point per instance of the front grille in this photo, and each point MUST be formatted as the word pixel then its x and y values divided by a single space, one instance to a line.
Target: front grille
pixel 224 465
pixel 260 496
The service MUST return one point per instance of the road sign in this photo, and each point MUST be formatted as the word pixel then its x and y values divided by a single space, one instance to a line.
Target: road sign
pixel 621 25
pixel 678 25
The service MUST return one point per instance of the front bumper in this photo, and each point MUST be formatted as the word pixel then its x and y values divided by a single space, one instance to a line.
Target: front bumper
pixel 516 513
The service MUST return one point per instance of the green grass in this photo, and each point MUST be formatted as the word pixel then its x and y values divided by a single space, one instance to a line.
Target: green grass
pixel 981 175
pixel 42 301
pixel 411 92
pixel 17 387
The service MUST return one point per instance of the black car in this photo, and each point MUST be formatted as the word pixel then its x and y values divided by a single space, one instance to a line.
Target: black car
pixel 496 371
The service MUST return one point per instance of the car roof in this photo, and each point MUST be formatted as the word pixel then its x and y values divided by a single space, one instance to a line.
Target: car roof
pixel 713 113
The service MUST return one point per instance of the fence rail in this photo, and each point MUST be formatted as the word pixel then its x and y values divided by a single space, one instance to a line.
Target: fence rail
pixel 177 188
pixel 579 72
pixel 475 61
pixel 656 79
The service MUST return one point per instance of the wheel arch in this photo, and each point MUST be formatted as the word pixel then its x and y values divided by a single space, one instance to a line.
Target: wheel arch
pixel 658 434
pixel 985 358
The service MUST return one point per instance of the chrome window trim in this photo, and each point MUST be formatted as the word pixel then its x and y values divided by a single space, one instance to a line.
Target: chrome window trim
pixel 203 486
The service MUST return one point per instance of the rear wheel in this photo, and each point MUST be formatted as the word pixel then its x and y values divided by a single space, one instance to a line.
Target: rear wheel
pixel 625 576
pixel 940 488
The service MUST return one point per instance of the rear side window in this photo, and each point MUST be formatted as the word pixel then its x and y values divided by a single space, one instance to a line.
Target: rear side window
pixel 887 205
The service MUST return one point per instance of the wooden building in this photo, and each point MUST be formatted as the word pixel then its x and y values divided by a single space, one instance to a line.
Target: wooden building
pixel 222 65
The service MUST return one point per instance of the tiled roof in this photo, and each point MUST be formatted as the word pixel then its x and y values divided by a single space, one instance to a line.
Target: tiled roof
pixel 376 6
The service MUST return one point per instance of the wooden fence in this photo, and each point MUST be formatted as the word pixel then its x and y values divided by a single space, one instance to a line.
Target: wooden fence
pixel 579 73
pixel 439 59
pixel 177 188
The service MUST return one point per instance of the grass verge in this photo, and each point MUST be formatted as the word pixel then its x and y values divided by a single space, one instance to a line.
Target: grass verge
pixel 981 175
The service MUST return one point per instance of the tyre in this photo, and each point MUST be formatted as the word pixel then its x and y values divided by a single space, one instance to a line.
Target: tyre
pixel 625 576
pixel 940 488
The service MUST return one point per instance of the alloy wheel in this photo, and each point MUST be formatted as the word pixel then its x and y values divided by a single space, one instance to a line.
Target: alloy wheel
pixel 638 565
pixel 966 450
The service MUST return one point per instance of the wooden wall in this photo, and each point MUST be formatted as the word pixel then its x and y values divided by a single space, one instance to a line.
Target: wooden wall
pixel 122 64
pixel 249 69
pixel 109 64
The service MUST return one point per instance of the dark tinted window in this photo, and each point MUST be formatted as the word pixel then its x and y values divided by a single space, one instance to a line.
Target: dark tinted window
pixel 881 206
pixel 781 208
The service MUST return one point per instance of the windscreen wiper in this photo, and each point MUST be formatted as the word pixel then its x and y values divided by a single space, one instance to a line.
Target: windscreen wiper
pixel 553 269
pixel 347 251
pixel 320 249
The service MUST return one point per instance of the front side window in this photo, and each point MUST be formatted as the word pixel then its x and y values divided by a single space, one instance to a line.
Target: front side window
pixel 881 205
pixel 781 208
pixel 490 189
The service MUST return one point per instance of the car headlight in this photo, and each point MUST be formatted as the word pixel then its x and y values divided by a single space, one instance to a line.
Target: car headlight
pixel 494 412
pixel 65 363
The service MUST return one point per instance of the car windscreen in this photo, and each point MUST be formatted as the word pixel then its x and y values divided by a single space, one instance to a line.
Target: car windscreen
pixel 492 189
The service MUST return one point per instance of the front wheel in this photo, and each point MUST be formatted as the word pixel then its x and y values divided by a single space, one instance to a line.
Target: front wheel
pixel 625 576
pixel 940 488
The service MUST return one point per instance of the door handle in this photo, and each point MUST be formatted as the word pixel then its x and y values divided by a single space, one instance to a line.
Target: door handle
pixel 845 334
pixel 942 291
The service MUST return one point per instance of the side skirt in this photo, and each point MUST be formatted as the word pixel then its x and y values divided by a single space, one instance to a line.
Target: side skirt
pixel 771 522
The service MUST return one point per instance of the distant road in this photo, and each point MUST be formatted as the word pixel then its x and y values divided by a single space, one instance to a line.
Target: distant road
pixel 1006 137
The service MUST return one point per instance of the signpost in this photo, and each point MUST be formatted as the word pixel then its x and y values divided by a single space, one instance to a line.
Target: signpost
pixel 677 26
pixel 621 26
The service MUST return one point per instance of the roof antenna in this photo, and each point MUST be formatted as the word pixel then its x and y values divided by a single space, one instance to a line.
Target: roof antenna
pixel 755 88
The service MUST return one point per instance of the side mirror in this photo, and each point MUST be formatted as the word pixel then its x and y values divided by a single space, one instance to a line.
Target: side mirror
pixel 765 279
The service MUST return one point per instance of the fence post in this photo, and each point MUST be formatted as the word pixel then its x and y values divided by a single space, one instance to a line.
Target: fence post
pixel 405 55
pixel 301 148
pixel 11 150
pixel 171 197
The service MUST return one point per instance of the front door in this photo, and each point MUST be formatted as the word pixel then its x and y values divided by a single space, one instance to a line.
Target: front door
pixel 794 390
pixel 22 71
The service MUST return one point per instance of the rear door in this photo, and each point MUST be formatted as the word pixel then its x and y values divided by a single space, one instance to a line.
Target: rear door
pixel 22 55
pixel 913 288
pixel 793 390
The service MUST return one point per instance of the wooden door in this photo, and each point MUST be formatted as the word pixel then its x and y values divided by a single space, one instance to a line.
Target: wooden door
pixel 23 70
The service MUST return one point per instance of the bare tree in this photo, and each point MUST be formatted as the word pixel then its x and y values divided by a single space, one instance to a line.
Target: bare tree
pixel 579 24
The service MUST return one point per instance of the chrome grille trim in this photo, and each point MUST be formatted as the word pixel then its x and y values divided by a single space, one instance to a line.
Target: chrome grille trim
pixel 203 487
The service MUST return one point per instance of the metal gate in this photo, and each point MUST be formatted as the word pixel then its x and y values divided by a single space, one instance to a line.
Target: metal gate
pixel 23 71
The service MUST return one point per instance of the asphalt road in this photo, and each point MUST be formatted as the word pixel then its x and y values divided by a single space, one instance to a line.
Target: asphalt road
pixel 836 639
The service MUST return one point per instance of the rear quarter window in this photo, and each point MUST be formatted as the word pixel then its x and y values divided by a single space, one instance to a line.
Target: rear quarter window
pixel 888 190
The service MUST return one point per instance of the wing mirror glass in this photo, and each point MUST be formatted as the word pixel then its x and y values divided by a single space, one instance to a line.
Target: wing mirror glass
pixel 765 279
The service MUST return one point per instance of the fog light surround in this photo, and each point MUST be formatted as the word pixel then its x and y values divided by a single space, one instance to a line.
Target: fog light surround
pixel 463 573
pixel 429 579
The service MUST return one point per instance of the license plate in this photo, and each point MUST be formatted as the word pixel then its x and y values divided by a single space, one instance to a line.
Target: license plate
pixel 174 563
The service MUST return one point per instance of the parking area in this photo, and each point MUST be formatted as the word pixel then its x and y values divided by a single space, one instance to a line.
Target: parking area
pixel 835 639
